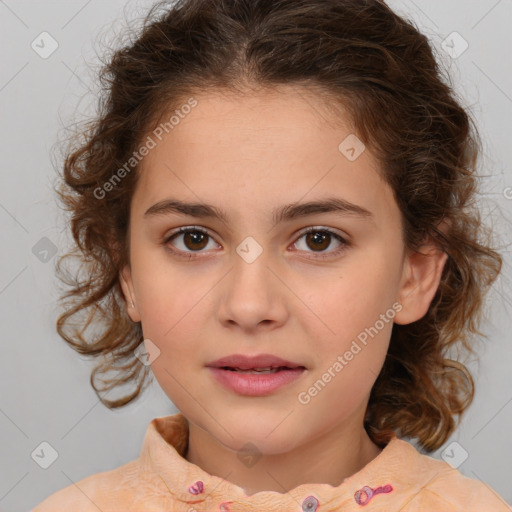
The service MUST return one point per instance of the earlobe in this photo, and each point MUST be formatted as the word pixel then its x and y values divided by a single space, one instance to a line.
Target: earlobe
pixel 420 281
pixel 128 292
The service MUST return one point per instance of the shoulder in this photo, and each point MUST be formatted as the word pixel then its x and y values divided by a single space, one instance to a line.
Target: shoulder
pixel 101 491
pixel 438 484
pixel 465 493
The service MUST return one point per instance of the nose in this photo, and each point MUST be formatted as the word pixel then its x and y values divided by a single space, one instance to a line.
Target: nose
pixel 253 295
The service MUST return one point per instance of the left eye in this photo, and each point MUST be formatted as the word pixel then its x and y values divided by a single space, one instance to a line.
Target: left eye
pixel 321 239
pixel 194 239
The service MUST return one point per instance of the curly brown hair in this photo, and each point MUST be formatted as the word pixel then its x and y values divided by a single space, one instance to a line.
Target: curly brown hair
pixel 359 55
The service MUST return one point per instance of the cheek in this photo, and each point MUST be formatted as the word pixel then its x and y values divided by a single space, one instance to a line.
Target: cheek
pixel 169 296
pixel 341 383
pixel 353 299
pixel 353 318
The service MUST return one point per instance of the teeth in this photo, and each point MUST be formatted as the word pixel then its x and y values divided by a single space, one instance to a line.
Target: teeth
pixel 256 370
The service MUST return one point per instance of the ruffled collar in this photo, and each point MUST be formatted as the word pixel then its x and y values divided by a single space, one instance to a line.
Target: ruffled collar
pixel 165 445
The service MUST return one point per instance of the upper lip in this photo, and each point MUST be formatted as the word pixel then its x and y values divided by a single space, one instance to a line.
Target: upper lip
pixel 249 362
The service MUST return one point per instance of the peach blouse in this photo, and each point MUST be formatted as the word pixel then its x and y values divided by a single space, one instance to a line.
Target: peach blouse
pixel 399 479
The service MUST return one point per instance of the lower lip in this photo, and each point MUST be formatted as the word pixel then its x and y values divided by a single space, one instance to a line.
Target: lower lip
pixel 252 384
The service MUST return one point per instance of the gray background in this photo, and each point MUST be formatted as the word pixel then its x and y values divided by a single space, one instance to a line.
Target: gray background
pixel 45 391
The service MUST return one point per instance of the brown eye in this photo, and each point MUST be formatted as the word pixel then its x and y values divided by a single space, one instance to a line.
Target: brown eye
pixel 318 240
pixel 188 240
pixel 195 240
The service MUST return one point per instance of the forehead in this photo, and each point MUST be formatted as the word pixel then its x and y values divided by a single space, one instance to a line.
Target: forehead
pixel 273 147
pixel 255 123
pixel 261 115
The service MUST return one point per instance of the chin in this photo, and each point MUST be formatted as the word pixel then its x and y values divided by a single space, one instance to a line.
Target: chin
pixel 271 428
pixel 264 435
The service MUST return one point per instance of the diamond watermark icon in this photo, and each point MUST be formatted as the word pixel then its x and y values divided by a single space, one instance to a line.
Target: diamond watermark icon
pixel 351 147
pixel 454 454
pixel 146 352
pixel 454 45
pixel 44 250
pixel 249 455
pixel 45 455
pixel 44 45
pixel 249 249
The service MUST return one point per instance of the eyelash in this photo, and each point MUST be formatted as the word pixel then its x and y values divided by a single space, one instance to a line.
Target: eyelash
pixel 192 229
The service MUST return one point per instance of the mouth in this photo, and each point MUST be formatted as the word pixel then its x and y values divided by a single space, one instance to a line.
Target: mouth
pixel 261 363
pixel 257 371
pixel 255 375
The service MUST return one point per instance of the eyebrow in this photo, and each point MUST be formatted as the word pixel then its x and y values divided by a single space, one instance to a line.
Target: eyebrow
pixel 287 212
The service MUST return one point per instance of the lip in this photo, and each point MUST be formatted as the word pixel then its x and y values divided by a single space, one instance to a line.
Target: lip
pixel 251 362
pixel 251 384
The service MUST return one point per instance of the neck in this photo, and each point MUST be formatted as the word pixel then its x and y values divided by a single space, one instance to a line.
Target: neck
pixel 331 457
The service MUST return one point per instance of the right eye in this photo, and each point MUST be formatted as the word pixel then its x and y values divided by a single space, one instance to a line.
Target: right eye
pixel 191 240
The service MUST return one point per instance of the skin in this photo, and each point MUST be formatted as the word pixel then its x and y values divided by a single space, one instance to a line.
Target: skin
pixel 248 154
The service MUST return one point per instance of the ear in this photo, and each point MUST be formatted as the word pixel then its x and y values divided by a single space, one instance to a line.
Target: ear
pixel 125 277
pixel 421 276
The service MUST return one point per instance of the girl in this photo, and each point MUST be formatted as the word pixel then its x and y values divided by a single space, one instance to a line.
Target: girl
pixel 274 209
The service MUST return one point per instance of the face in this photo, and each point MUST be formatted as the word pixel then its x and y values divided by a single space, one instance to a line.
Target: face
pixel 246 285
